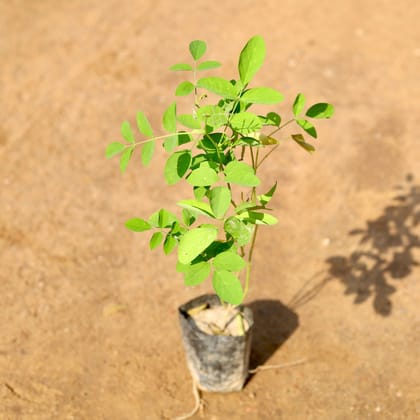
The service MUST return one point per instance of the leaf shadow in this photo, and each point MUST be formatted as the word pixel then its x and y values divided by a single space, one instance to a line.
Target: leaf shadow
pixel 384 255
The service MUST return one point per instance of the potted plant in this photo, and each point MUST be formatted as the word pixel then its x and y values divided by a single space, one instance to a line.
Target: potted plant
pixel 218 149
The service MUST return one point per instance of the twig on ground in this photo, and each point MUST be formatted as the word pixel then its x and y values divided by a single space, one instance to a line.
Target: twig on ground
pixel 281 366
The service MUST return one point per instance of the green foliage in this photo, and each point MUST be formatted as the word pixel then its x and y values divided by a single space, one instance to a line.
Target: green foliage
pixel 218 153
pixel 208 65
pixel 251 59
pixel 240 173
pixel 197 49
pixel 321 110
pixel 228 287
pixel 262 95
pixel 218 86
pixel 194 242
pixel 137 225
pixel 177 166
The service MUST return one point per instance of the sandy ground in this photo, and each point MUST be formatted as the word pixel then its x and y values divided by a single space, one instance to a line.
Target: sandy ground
pixel 88 315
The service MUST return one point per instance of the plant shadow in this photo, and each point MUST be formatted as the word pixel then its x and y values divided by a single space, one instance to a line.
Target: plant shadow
pixel 274 323
pixel 384 255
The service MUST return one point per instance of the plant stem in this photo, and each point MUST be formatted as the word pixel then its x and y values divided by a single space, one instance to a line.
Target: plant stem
pixel 266 156
pixel 282 126
pixel 162 137
pixel 248 267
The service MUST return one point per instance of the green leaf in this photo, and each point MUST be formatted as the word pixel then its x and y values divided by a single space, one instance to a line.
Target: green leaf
pixel 126 132
pixel 264 199
pixel 266 140
pixel 177 166
pixel 321 110
pixel 200 192
pixel 240 173
pixel 181 67
pixel 220 201
pixel 144 125
pixel 202 176
pixel 229 260
pixel 244 206
pixel 245 122
pixel 213 115
pixel 300 140
pixel 137 225
pixel 189 121
pixel 169 244
pixel 194 274
pixel 188 217
pixel 156 240
pixel 258 218
pixel 212 143
pixel 114 149
pixel 194 242
pixel 273 119
pixel 298 104
pixel 219 86
pixel 197 207
pixel 125 158
pixel 262 95
pixel 251 58
pixel 239 231
pixel 308 127
pixel 170 143
pixel 147 152
pixel 197 49
pixel 162 219
pixel 169 118
pixel 228 287
pixel 207 65
pixel 184 88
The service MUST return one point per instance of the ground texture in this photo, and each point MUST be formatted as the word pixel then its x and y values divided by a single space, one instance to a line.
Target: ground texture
pixel 88 316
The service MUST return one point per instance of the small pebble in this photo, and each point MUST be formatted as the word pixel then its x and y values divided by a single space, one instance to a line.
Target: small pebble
pixel 326 242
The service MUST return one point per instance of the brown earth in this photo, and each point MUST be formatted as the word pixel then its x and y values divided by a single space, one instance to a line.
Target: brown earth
pixel 88 317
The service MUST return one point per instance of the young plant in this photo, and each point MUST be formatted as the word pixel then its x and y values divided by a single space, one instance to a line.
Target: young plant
pixel 218 149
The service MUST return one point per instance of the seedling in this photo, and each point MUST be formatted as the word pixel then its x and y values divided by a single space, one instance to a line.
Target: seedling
pixel 218 149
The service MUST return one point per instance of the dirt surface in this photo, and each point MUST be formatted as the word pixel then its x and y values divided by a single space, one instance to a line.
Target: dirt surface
pixel 88 316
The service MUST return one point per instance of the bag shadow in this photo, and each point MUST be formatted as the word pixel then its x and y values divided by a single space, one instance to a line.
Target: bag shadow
pixel 274 323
